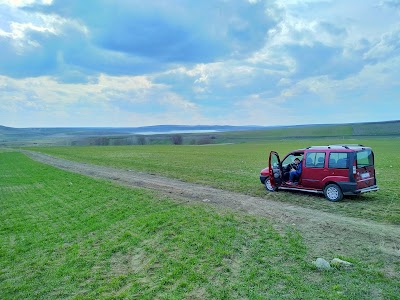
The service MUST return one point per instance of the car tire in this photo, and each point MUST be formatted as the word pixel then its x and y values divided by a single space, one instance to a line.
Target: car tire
pixel 268 185
pixel 333 192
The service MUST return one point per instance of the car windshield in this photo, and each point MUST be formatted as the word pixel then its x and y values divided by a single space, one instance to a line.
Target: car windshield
pixel 365 158
pixel 291 157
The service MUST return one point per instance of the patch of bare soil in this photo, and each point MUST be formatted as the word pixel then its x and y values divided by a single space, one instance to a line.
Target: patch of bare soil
pixel 325 234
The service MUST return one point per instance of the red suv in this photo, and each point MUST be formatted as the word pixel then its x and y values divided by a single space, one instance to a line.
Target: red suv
pixel 334 170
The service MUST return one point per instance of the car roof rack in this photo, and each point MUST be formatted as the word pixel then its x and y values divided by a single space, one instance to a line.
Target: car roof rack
pixel 346 146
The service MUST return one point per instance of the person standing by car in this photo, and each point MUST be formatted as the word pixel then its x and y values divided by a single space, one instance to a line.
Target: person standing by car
pixel 295 172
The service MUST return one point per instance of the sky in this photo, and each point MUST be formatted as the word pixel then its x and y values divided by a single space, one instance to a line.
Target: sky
pixel 128 63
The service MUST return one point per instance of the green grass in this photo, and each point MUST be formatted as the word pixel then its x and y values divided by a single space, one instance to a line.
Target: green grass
pixel 290 132
pixel 236 167
pixel 66 236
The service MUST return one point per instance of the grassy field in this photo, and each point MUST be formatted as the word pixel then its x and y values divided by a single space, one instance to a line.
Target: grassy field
pixel 66 236
pixel 236 167
pixel 290 132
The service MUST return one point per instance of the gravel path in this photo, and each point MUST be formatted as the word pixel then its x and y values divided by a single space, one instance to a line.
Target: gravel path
pixel 325 234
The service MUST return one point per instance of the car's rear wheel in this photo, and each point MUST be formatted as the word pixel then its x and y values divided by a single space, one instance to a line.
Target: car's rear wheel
pixel 333 192
pixel 269 186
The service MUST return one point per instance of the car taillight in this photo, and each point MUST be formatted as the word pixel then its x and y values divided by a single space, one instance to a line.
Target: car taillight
pixel 354 170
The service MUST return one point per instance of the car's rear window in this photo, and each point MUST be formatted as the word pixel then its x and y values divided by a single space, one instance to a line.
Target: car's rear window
pixel 365 158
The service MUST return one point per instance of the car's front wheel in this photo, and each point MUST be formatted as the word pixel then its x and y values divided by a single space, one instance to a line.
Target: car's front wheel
pixel 333 192
pixel 269 186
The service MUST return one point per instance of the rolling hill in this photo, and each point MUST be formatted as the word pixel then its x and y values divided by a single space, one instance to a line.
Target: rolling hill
pixel 192 134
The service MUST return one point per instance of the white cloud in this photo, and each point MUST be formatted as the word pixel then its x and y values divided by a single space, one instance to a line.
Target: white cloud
pixel 371 79
pixel 262 109
pixel 44 94
pixel 22 3
pixel 387 46
pixel 25 30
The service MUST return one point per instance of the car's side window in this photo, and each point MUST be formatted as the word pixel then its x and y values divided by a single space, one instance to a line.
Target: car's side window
pixel 338 160
pixel 315 159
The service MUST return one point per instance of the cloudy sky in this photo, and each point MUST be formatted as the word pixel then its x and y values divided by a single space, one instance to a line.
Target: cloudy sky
pixel 237 62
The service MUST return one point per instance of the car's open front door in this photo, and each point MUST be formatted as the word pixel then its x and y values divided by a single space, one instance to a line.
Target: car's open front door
pixel 275 168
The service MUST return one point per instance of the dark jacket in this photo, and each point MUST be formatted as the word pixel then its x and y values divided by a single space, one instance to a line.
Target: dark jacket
pixel 299 168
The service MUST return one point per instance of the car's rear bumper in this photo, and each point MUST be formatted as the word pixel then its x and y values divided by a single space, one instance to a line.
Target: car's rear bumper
pixel 350 188
pixel 367 189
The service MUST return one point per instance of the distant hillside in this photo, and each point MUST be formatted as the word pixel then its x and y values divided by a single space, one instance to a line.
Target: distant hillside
pixel 377 128
pixel 121 130
pixel 391 128
pixel 192 134
pixel 86 135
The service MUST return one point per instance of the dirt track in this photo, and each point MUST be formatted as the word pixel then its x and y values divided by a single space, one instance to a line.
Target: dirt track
pixel 325 234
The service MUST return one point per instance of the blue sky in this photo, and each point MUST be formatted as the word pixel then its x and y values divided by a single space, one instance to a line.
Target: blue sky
pixel 238 62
